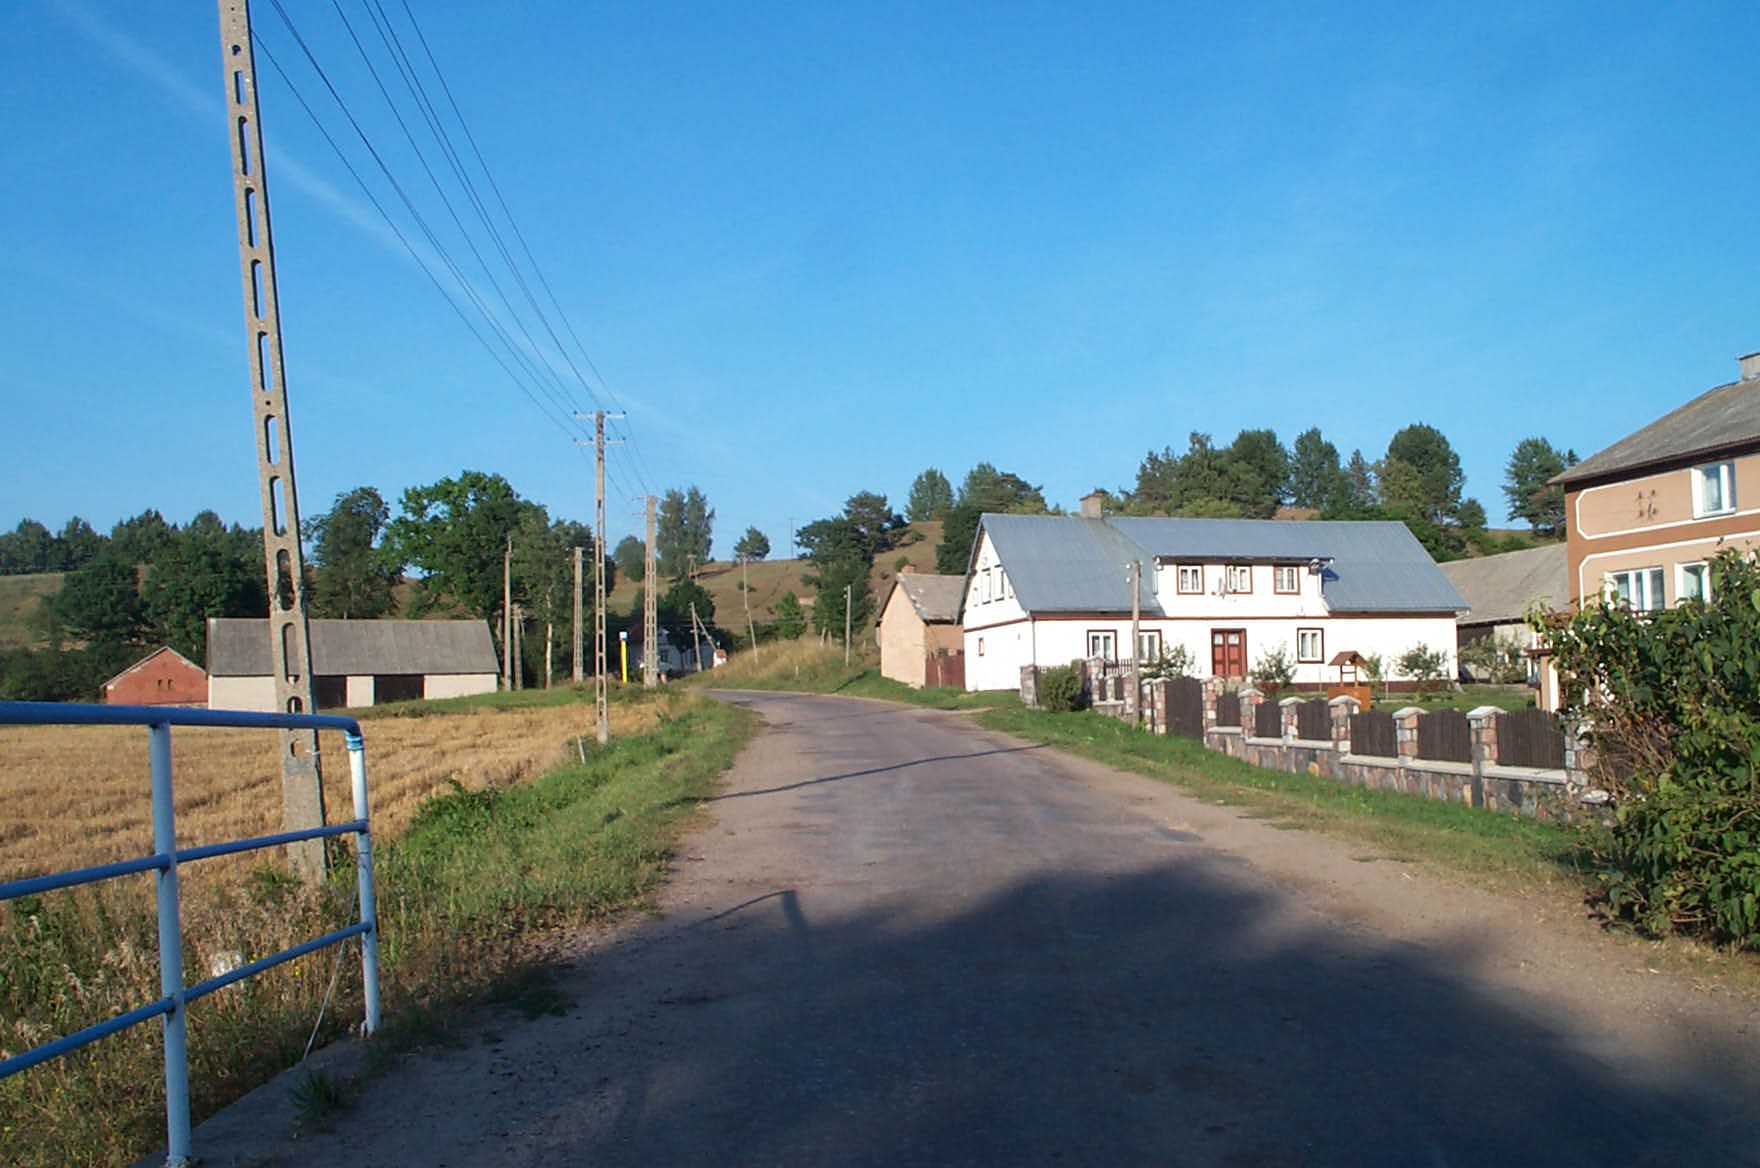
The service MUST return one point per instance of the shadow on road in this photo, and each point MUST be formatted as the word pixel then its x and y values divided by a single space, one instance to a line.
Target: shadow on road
pixel 898 766
pixel 1163 1016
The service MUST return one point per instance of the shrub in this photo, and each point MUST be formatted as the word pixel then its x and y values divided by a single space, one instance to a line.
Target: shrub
pixel 1496 659
pixel 1275 672
pixel 1424 665
pixel 1174 662
pixel 1671 703
pixel 1060 688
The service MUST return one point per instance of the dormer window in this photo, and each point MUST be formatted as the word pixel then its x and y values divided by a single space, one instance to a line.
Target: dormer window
pixel 1714 489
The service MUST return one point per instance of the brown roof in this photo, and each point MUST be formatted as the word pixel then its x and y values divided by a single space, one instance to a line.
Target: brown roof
pixel 1721 419
pixel 1501 589
pixel 240 647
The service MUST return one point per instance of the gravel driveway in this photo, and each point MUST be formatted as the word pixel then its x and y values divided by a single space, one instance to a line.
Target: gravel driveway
pixel 904 940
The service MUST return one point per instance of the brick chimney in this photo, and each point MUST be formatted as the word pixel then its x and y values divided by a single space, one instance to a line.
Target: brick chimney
pixel 1750 364
pixel 1093 502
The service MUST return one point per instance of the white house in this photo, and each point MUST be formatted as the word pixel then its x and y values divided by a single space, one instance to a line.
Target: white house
pixel 354 662
pixel 1048 589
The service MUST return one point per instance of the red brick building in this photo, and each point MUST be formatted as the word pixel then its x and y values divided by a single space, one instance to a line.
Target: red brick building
pixel 164 677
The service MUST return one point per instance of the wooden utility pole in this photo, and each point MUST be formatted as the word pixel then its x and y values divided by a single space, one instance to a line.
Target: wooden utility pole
pixel 846 603
pixel 580 667
pixel 519 635
pixel 650 609
pixel 290 651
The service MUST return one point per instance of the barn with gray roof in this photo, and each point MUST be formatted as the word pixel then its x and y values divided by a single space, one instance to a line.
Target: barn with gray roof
pixel 1221 594
pixel 355 662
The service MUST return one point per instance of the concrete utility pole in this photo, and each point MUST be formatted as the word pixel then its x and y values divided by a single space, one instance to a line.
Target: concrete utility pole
pixel 580 667
pixel 507 616
pixel 290 651
pixel 601 699
pixel 519 634
pixel 846 603
pixel 650 609
pixel 1136 636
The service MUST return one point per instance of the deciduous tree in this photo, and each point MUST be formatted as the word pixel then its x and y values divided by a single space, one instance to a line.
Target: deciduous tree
pixel 754 545
pixel 453 532
pixel 685 532
pixel 353 581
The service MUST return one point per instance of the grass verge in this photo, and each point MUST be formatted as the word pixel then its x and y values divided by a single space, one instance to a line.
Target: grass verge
pixel 1493 848
pixel 469 896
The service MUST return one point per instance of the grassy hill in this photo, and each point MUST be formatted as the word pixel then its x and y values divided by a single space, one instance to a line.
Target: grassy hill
pixel 21 607
pixel 769 579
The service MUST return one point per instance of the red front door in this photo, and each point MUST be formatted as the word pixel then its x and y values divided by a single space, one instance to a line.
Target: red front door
pixel 1228 652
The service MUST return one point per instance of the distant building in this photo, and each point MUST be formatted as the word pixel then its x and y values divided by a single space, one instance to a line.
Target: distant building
pixel 1048 589
pixel 1501 589
pixel 919 633
pixel 163 677
pixel 1646 513
pixel 355 662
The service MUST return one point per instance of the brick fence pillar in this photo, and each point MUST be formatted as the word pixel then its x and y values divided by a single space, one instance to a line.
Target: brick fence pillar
pixel 1250 699
pixel 1405 730
pixel 1483 725
pixel 1343 707
pixel 1030 686
pixel 1214 687
pixel 1286 709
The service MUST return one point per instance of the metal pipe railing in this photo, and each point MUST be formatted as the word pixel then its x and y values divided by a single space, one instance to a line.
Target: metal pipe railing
pixel 175 996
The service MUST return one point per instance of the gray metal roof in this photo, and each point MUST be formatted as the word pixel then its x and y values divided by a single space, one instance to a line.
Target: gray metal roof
pixel 1068 564
pixel 240 647
pixel 936 598
pixel 1725 417
pixel 1502 588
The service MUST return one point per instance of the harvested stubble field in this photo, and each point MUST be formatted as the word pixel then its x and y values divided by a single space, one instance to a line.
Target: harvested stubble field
pixel 78 795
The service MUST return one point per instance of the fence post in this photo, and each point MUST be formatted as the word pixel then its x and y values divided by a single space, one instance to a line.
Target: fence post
pixel 1250 699
pixel 357 771
pixel 1213 687
pixel 170 950
pixel 1483 723
pixel 1286 716
pixel 1343 706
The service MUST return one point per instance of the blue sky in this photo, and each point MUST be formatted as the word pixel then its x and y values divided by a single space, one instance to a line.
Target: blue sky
pixel 815 248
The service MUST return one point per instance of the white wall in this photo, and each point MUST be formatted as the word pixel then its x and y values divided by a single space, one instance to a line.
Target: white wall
pixel 359 690
pixel 242 693
pixel 455 685
pixel 1056 641
pixel 990 598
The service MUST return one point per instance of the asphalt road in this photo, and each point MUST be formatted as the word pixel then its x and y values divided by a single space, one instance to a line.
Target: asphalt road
pixel 903 940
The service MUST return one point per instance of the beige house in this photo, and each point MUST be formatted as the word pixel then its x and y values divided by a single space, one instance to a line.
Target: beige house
pixel 920 640
pixel 354 662
pixel 1646 513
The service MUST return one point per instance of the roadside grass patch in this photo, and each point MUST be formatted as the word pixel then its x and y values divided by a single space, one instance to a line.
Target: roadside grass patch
pixel 1498 848
pixel 806 666
pixel 472 894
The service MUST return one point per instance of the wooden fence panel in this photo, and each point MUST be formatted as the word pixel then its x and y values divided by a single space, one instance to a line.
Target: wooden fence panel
pixel 1373 732
pixel 1228 710
pixel 1268 720
pixel 1185 707
pixel 1530 738
pixel 1314 721
pixel 1445 735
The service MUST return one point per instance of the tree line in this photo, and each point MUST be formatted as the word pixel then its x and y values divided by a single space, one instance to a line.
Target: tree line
pixel 151 582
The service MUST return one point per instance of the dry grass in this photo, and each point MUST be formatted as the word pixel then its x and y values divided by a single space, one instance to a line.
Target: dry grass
pixel 79 795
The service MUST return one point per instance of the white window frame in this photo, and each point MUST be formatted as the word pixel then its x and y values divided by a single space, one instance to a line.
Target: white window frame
pixel 1319 653
pixel 1148 644
pixel 1003 589
pixel 1294 577
pixel 1722 476
pixel 1245 573
pixel 1108 639
pixel 1639 589
pixel 1696 570
pixel 1195 574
